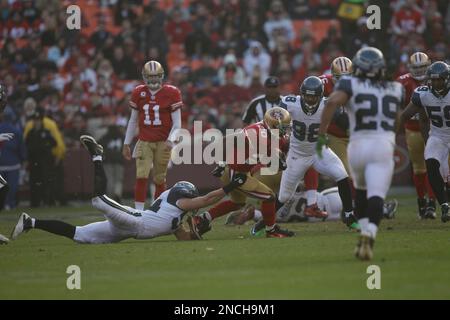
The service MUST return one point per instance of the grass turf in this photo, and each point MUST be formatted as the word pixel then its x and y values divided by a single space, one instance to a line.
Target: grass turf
pixel 414 257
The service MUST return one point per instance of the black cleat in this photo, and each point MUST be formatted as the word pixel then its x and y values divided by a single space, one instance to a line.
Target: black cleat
pixel 389 209
pixel 91 145
pixel 258 228
pixel 202 224
pixel 430 211
pixel 422 204
pixel 445 217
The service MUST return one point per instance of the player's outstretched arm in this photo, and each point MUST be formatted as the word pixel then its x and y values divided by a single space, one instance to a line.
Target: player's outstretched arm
pixel 212 197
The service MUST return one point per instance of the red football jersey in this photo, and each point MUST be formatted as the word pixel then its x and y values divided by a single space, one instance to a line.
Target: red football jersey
pixel 328 87
pixel 328 84
pixel 263 137
pixel 155 120
pixel 410 84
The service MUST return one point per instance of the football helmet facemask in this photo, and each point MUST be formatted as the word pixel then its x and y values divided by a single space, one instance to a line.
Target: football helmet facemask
pixel 311 92
pixel 418 65
pixel 153 74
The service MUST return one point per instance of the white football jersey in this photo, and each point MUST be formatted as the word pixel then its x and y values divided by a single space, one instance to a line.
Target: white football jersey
pixel 373 107
pixel 437 109
pixel 305 125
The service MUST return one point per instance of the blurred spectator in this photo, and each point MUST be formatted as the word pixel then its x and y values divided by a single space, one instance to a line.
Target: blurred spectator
pixel 177 27
pixel 278 22
pixel 12 156
pixel 408 19
pixel 59 53
pixel 39 142
pixel 257 59
pixel 231 70
pixel 124 66
pixel 112 143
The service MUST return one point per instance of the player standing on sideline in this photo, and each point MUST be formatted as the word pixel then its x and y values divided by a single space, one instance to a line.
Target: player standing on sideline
pixel 277 119
pixel 164 217
pixel 3 137
pixel 432 102
pixel 418 65
pixel 156 111
pixel 372 105
pixel 306 111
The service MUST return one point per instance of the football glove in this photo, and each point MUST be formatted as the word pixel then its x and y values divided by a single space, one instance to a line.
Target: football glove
pixel 218 171
pixel 322 141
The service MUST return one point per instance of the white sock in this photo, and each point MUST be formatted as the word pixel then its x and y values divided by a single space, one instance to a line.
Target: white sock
pixel 207 216
pixel 97 158
pixel 372 229
pixel 269 228
pixel 258 215
pixel 363 223
pixel 33 220
pixel 139 205
pixel 311 197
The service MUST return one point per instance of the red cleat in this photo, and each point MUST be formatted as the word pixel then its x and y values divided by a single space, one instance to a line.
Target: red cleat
pixel 313 211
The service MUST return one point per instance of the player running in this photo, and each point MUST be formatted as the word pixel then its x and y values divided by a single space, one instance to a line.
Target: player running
pixel 164 216
pixel 275 125
pixel 306 110
pixel 156 111
pixel 432 102
pixel 372 105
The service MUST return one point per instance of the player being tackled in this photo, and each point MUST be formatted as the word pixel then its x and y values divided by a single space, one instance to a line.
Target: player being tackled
pixel 164 217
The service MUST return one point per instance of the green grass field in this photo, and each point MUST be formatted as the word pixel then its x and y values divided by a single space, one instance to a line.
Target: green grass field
pixel 414 257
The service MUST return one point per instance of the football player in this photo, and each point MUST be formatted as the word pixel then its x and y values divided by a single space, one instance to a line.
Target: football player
pixel 274 119
pixel 3 137
pixel 306 111
pixel 372 105
pixel 338 128
pixel 156 111
pixel 432 102
pixel 163 218
pixel 417 76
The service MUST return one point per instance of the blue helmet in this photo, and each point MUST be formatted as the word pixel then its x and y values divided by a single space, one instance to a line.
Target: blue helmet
pixel 439 71
pixel 185 189
pixel 311 91
pixel 369 63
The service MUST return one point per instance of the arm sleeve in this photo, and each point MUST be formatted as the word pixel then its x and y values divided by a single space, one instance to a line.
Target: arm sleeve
pixel 345 85
pixel 415 99
pixel 176 124
pixel 249 113
pixel 177 101
pixel 131 128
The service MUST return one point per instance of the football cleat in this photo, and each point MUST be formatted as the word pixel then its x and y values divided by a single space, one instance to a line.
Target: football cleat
pixel 313 211
pixel 23 225
pixel 241 216
pixel 3 239
pixel 430 210
pixel 364 248
pixel 445 217
pixel 351 221
pixel 193 229
pixel 91 145
pixel 277 232
pixel 422 204
pixel 389 209
pixel 202 224
pixel 258 228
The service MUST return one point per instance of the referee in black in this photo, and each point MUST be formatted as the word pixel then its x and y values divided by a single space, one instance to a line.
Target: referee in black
pixel 257 107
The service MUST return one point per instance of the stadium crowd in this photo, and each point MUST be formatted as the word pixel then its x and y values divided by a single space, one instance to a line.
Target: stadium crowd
pixel 217 52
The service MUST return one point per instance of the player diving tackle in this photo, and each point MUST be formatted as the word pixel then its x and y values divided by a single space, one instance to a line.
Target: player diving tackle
pixel 164 216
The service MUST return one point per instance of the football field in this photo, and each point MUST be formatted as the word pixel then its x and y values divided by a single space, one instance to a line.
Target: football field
pixel 413 257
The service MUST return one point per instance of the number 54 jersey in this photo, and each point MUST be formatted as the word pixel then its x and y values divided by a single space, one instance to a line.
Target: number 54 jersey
pixel 155 109
pixel 305 125
pixel 372 108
